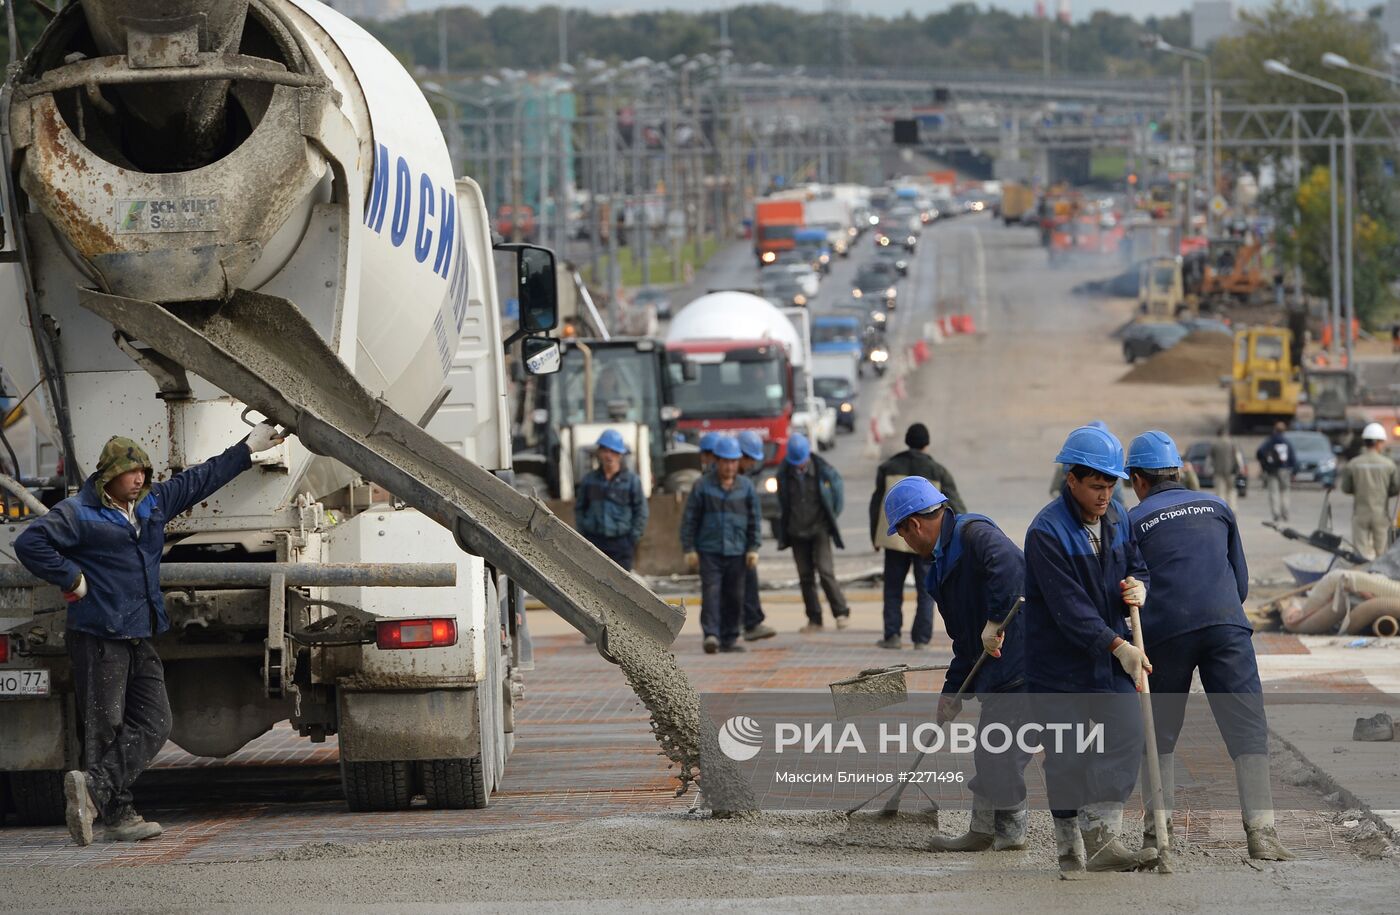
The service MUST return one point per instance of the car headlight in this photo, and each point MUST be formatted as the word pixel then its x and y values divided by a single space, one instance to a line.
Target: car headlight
pixel 879 317
pixel 770 484
pixel 879 355
pixel 846 407
pixel 825 258
pixel 1327 465
pixel 883 240
pixel 911 239
pixel 874 220
pixel 891 292
pixel 768 257
pixel 799 299
pixel 856 293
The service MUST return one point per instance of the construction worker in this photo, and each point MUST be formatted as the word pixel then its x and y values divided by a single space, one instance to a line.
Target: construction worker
pixel 103 548
pixel 976 576
pixel 720 534
pixel 707 451
pixel 1195 622
pixel 751 465
pixel 1083 569
pixel 1057 479
pixel 611 511
pixel 912 462
pixel 810 498
pixel 1226 465
pixel 1374 480
pixel 1277 461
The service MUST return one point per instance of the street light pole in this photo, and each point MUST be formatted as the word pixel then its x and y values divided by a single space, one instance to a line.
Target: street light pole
pixel 1204 60
pixel 1279 68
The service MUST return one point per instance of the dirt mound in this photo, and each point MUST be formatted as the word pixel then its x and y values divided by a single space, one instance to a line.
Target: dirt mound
pixel 1200 358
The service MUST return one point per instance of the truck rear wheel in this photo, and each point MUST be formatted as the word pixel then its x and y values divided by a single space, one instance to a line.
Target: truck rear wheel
pixel 376 785
pixel 36 798
pixel 455 784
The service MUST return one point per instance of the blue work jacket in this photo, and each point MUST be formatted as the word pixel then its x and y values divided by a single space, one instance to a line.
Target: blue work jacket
pixel 1191 542
pixel 976 575
pixel 725 523
pixel 1074 606
pixel 121 566
pixel 611 508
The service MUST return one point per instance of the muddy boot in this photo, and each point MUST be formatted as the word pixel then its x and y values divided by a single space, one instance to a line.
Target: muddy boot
pixel 1010 832
pixel 978 836
pixel 1257 809
pixel 79 808
pixel 1069 846
pixel 1100 824
pixel 1166 762
pixel 129 826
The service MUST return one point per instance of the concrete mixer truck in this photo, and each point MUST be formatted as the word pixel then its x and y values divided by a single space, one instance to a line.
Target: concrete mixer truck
pixel 218 211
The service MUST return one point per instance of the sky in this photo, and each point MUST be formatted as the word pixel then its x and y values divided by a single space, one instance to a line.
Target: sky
pixel 1079 9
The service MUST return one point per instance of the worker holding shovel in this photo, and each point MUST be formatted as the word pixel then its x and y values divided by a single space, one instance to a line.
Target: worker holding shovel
pixel 976 575
pixel 1083 571
pixel 1196 622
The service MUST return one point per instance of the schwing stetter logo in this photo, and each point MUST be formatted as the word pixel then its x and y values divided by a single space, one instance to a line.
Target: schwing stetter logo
pixel 741 738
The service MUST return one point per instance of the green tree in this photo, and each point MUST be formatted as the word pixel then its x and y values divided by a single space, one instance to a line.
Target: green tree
pixel 1299 33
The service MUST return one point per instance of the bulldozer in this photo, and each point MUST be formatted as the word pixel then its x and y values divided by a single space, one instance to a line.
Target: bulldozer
pixel 1264 384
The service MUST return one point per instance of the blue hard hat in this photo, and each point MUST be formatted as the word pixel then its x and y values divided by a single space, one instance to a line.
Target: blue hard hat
pixel 1098 424
pixel 798 449
pixel 611 439
pixel 1094 448
pixel 751 444
pixel 707 442
pixel 910 496
pixel 1153 450
pixel 726 448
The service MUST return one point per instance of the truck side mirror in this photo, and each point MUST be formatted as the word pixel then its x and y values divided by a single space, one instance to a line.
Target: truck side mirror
pixel 689 370
pixel 541 355
pixel 536 288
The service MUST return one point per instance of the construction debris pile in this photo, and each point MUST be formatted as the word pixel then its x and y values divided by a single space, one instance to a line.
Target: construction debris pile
pixel 1200 358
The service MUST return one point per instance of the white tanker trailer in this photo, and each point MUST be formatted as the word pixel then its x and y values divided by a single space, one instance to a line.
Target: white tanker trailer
pixel 222 209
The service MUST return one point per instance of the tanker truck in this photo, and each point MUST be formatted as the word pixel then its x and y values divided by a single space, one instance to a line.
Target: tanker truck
pixel 221 212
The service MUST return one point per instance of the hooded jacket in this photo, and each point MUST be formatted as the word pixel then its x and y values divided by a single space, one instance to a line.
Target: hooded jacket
pixel 88 535
pixel 976 575
pixel 1074 607
pixel 1191 542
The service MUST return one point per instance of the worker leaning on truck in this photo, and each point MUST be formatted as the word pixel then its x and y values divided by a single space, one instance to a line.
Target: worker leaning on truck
pixel 611 511
pixel 103 548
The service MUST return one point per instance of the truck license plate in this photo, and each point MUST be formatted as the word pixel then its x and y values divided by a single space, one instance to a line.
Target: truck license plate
pixel 33 682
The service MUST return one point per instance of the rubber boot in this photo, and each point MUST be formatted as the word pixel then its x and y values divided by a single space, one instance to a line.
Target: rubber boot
pixel 1069 846
pixel 979 832
pixel 1100 824
pixel 1010 831
pixel 1166 762
pixel 1257 809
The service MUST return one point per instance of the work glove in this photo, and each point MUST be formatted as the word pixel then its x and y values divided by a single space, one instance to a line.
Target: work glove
pixel 79 590
pixel 948 709
pixel 1134 662
pixel 1134 592
pixel 263 437
pixel 751 560
pixel 692 561
pixel 992 638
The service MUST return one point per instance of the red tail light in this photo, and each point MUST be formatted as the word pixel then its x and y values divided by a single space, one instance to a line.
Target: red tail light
pixel 431 633
pixel 4 649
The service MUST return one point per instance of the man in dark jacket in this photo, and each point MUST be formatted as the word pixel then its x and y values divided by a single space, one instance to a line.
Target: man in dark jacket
pixel 1083 569
pixel 1277 461
pixel 751 465
pixel 720 534
pixel 103 548
pixel 610 509
pixel 914 462
pixel 1196 622
pixel 810 498
pixel 977 577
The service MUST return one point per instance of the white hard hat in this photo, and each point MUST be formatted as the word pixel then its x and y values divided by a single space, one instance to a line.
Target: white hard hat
pixel 1374 432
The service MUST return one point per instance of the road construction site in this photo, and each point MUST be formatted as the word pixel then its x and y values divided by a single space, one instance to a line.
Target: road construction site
pixel 586 817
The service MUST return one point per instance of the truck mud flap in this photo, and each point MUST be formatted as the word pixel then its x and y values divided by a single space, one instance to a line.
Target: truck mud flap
pixel 260 349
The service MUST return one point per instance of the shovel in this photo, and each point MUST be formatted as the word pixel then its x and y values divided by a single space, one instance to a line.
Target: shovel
pixel 1154 770
pixel 892 805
